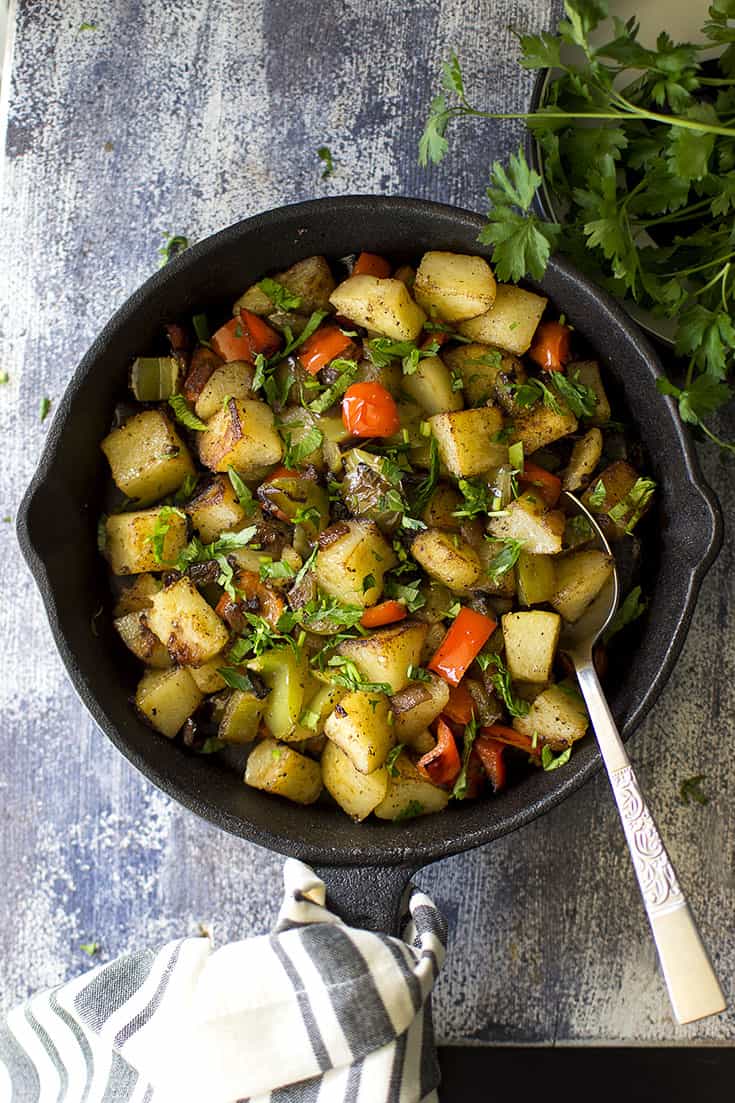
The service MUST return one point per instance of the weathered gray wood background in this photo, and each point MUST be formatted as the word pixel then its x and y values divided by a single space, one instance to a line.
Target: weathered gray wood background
pixel 183 117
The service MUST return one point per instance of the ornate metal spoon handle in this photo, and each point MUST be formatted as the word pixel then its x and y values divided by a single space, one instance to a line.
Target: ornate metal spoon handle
pixel 693 987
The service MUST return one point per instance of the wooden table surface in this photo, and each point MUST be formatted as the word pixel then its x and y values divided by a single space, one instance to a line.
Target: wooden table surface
pixel 183 116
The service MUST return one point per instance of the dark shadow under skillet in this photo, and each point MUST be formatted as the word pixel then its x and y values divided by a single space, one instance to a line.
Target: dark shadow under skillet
pixel 58 517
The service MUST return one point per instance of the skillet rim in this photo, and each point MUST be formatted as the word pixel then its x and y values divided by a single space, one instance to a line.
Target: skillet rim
pixel 462 838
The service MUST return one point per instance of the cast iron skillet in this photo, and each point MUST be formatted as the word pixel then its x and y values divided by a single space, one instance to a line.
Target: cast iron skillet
pixel 366 866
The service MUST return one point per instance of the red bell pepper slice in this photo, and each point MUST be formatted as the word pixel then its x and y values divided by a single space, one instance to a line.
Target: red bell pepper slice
pixel 468 634
pixel 442 764
pixel 322 347
pixel 551 348
pixel 370 264
pixel 461 707
pixel 491 754
pixel 388 612
pixel 549 485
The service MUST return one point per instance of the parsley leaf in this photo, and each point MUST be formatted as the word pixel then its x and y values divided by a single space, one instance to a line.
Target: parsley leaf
pixel 244 493
pixel 197 552
pixel 550 761
pixel 235 679
pixel 161 528
pixel 280 296
pixel 184 414
pixel 522 242
pixel 628 611
pixel 344 673
pixel 506 558
pixel 598 496
pixel 44 409
pixel 580 399
pixel 390 762
pixel 501 683
pixel 477 498
pixel 691 790
pixel 384 350
pixel 294 454
pixel 325 156
pixel 459 790
pixel 89 948
pixel 629 511
pixel 173 244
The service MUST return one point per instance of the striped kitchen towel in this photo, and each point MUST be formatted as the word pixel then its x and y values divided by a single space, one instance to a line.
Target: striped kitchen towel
pixel 317 1012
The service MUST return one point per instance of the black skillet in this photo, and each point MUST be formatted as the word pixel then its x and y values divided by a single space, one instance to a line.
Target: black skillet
pixel 366 866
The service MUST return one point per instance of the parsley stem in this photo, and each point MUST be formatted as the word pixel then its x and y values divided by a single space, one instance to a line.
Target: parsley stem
pixel 668 120
pixel 699 267
pixel 682 215
pixel 690 373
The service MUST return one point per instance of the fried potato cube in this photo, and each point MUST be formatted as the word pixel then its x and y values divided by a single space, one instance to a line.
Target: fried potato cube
pixel 186 624
pixel 383 306
pixel 167 698
pixel 241 435
pixel 467 442
pixel 147 457
pixel 511 321
pixel 454 286
pixel 129 539
pixel 279 769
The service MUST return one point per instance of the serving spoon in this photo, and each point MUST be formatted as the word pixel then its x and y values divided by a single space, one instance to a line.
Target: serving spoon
pixel 693 988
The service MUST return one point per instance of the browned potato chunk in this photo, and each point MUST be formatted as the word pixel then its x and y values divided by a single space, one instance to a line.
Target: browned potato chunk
pixel 486 373
pixel 386 655
pixel 129 539
pixel 579 578
pixel 135 634
pixel 448 559
pixel 409 793
pixel 356 793
pixel 527 519
pixel 137 595
pixel 540 426
pixel 147 457
pixel 531 639
pixel 215 510
pixel 511 321
pixel 353 557
pixel 607 491
pixel 557 716
pixel 467 440
pixel 360 726
pixel 279 769
pixel 588 374
pixel 454 286
pixel 383 306
pixel 417 706
pixel 166 699
pixel 243 436
pixel 310 279
pixel 186 624
pixel 583 460
pixel 232 380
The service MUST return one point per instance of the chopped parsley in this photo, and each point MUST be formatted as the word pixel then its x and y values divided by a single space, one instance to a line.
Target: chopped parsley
pixel 550 761
pixel 691 790
pixel 418 674
pixel 278 570
pixel 44 408
pixel 413 809
pixel 173 244
pixel 243 493
pixel 197 552
pixel 280 296
pixel 628 611
pixel 390 762
pixel 629 511
pixel 384 350
pixel 502 684
pixel 235 679
pixel 89 948
pixel 580 399
pixel 344 673
pixel 476 494
pixel 184 413
pixel 505 559
pixel 459 790
pixel 294 454
pixel 596 499
pixel 325 156
pixel 164 520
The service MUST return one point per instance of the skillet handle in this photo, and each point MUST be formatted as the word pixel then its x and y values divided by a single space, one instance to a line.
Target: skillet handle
pixel 368 897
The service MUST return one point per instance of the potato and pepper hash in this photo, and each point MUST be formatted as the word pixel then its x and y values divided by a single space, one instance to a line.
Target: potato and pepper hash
pixel 340 542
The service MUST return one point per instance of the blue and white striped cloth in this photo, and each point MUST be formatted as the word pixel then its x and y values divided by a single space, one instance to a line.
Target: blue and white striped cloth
pixel 317 1012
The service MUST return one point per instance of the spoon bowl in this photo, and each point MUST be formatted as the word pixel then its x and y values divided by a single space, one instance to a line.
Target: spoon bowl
pixel 579 638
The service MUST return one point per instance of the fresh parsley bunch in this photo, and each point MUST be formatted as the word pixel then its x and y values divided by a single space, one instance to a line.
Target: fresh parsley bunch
pixel 639 152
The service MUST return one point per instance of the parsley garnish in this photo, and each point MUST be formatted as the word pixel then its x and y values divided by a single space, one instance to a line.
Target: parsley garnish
pixel 476 494
pixel 418 674
pixel 427 487
pixel 413 808
pixel 197 552
pixel 502 684
pixel 235 679
pixel 533 391
pixel 44 409
pixel 470 734
pixel 347 371
pixel 550 761
pixel 294 454
pixel 625 614
pixel 390 762
pixel 161 528
pixel 184 414
pixel 652 159
pixel 691 790
pixel 185 491
pixel 580 399
pixel 88 27
pixel 344 673
pixel 408 592
pixel 243 492
pixel 506 558
pixel 173 244
pixel 279 295
pixel 89 948
pixel 325 156
pixel 383 350
pixel 597 498
pixel 4 377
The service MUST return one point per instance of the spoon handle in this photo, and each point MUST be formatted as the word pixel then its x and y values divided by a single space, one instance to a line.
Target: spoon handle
pixel 693 988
